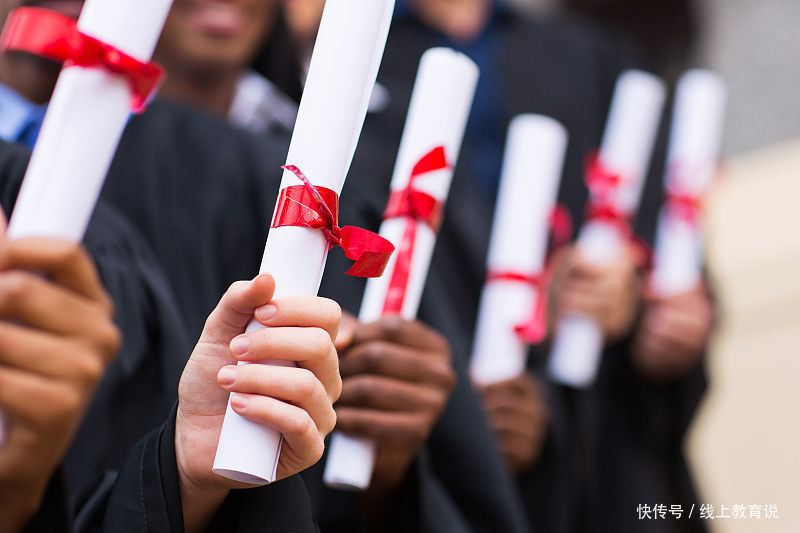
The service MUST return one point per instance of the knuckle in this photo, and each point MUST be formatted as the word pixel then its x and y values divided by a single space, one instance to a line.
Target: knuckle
pixel 372 355
pixel 15 286
pixel 307 384
pixel 391 327
pixel 319 342
pixel 302 426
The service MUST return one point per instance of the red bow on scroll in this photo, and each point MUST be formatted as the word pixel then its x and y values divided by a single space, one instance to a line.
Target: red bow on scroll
pixel 307 206
pixel 603 185
pixel 534 329
pixel 681 203
pixel 55 36
pixel 415 206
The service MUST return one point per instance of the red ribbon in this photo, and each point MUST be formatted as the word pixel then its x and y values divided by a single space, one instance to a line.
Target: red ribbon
pixel 308 206
pixel 415 206
pixel 603 185
pixel 685 207
pixel 534 329
pixel 56 36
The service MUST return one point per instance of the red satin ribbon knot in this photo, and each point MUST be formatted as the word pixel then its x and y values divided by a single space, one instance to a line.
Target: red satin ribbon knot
pixel 603 185
pixel 685 207
pixel 534 329
pixel 415 206
pixel 307 206
pixel 55 36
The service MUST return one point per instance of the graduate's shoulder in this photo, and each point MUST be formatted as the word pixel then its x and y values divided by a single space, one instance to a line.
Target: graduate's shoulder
pixel 571 38
pixel 207 137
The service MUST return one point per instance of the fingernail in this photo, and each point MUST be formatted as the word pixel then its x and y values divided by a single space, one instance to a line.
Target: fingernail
pixel 227 376
pixel 239 401
pixel 240 345
pixel 266 312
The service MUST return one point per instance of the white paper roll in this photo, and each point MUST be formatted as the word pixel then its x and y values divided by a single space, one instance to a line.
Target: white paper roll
pixel 532 169
pixel 437 116
pixel 82 127
pixel 692 161
pixel 343 69
pixel 627 147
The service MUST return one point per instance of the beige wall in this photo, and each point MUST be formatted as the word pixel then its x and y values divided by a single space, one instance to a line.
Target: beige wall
pixel 745 445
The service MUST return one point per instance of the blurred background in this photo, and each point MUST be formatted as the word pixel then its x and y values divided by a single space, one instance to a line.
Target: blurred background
pixel 745 440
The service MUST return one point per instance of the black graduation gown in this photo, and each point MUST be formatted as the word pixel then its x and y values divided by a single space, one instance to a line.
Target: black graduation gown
pixel 92 490
pixel 566 71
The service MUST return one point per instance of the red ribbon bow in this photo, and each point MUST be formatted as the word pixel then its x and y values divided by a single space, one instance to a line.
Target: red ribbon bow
pixel 308 206
pixel 534 329
pixel 56 36
pixel 415 206
pixel 603 185
pixel 684 207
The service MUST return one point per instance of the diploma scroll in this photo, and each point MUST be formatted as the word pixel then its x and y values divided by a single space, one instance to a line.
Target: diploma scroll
pixel 624 156
pixel 434 129
pixel 692 162
pixel 518 247
pixel 84 123
pixel 341 76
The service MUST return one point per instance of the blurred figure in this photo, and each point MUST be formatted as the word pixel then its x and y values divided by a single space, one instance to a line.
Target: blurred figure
pixel 207 48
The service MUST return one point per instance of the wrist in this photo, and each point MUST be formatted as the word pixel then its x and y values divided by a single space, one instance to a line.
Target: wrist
pixel 200 498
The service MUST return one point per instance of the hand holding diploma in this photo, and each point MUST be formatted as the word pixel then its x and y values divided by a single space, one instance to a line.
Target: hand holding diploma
pixel 615 178
pixel 434 129
pixel 295 400
pixel 677 316
pixel 106 75
pixel 397 378
pixel 58 336
pixel 341 77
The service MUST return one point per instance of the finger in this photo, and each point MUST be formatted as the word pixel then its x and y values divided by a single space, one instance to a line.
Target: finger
pixel 516 422
pixel 394 328
pixel 235 309
pixel 393 428
pixel 64 262
pixel 293 385
pixel 36 401
pixel 301 311
pixel 377 392
pixel 47 355
pixel 346 333
pixel 399 362
pixel 301 432
pixel 39 303
pixel 311 348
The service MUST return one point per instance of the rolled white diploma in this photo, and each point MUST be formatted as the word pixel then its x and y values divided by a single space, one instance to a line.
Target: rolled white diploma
pixel 692 161
pixel 83 125
pixel 437 116
pixel 341 76
pixel 532 169
pixel 626 149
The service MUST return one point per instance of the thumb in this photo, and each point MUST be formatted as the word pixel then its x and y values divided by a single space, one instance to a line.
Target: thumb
pixel 347 332
pixel 235 310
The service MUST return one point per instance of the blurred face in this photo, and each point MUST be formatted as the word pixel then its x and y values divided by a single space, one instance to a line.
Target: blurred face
pixel 214 34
